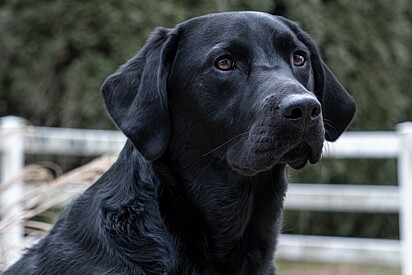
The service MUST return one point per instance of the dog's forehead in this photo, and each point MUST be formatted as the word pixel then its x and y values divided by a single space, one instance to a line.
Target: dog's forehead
pixel 236 25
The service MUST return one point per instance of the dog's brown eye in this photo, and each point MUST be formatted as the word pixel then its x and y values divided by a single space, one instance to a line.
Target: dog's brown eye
pixel 224 63
pixel 299 59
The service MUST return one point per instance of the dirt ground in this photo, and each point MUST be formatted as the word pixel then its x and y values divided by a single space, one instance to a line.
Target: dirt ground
pixel 293 268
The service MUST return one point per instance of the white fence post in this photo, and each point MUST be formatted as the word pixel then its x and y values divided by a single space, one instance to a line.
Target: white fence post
pixel 405 190
pixel 12 162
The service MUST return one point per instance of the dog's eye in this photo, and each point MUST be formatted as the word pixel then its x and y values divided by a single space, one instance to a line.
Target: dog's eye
pixel 299 58
pixel 224 63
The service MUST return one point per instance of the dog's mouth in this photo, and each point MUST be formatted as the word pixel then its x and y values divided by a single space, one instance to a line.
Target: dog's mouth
pixel 256 161
pixel 301 155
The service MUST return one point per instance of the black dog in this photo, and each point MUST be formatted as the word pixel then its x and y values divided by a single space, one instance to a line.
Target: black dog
pixel 214 111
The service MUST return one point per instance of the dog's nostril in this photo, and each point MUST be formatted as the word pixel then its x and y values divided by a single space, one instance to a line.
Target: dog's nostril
pixel 295 113
pixel 315 112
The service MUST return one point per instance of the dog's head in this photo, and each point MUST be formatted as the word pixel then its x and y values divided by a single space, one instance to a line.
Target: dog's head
pixel 247 87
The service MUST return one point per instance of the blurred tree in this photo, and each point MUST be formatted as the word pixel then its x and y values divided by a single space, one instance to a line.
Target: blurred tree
pixel 56 54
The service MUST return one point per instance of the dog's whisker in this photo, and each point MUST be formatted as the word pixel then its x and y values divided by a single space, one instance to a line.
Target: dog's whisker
pixel 225 143
pixel 330 123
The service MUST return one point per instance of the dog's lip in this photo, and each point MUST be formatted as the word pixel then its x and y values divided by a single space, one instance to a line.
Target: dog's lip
pixel 309 154
pixel 244 170
pixel 266 160
pixel 295 164
pixel 264 156
pixel 312 157
pixel 298 164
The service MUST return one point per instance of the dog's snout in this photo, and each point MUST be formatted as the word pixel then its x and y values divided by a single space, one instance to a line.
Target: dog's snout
pixel 300 109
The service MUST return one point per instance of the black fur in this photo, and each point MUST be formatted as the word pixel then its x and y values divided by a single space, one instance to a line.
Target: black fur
pixel 199 186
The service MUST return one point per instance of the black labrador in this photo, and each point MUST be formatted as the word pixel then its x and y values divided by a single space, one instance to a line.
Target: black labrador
pixel 214 111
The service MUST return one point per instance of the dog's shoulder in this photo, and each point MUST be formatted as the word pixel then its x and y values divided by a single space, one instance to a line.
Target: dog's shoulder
pixel 114 225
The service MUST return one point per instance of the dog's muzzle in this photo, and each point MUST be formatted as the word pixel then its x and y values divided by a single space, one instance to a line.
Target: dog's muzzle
pixel 289 130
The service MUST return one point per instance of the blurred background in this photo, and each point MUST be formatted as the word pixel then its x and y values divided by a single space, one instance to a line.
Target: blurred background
pixel 55 55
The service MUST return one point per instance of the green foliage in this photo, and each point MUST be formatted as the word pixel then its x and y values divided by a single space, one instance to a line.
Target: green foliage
pixel 358 225
pixel 55 55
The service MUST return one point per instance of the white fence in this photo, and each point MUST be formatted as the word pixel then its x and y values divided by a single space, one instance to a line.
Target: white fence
pixel 16 140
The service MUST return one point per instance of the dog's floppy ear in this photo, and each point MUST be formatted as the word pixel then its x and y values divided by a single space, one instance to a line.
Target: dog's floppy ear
pixel 136 95
pixel 338 107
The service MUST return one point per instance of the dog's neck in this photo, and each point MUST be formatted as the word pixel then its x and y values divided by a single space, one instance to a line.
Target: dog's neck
pixel 217 211
pixel 210 212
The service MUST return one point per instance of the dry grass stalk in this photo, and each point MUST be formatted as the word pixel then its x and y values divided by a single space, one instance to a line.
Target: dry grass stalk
pixel 56 192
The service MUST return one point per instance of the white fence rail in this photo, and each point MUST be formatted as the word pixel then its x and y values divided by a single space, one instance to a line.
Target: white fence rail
pixel 72 142
pixel 17 140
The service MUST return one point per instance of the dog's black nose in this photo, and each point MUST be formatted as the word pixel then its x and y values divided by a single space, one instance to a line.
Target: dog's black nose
pixel 301 109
